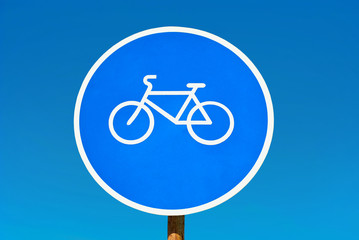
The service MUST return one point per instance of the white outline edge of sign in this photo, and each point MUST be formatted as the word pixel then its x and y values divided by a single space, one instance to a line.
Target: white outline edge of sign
pixel 213 203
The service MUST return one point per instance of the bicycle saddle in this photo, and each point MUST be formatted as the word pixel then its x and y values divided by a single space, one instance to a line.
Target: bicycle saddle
pixel 197 85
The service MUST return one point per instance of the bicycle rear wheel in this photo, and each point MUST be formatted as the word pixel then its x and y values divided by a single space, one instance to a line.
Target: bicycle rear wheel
pixel 212 141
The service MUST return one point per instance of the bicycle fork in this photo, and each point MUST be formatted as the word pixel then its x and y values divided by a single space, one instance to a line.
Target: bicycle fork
pixel 138 109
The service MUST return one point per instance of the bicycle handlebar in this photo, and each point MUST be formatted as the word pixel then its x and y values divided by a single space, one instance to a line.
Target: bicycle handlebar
pixel 145 79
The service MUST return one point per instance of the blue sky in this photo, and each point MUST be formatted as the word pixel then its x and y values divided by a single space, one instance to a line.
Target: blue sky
pixel 308 54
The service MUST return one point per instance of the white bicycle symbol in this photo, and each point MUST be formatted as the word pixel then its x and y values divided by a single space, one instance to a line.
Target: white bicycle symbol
pixel 176 120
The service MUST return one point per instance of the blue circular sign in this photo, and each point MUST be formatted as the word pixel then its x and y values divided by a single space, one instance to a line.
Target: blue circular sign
pixel 173 121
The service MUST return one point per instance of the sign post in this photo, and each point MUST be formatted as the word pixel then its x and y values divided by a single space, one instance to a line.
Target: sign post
pixel 175 228
pixel 167 100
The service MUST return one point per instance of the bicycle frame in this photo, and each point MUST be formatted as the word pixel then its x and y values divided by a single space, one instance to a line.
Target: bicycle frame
pixel 176 120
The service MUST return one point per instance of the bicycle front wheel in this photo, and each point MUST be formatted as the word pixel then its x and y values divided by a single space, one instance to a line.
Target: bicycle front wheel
pixel 217 106
pixel 122 111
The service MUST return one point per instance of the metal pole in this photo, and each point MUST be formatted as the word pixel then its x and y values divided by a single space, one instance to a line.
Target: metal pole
pixel 175 228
